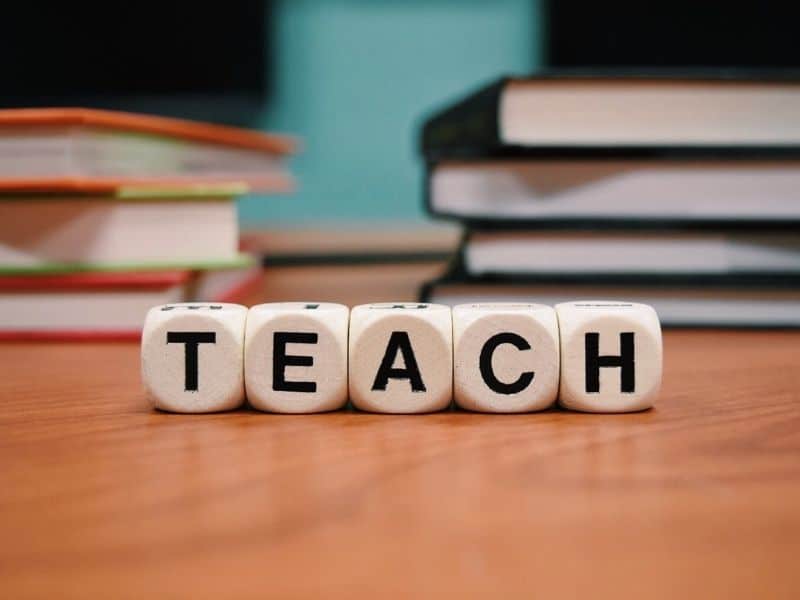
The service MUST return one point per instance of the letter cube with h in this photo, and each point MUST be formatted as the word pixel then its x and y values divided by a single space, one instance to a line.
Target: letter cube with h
pixel 611 356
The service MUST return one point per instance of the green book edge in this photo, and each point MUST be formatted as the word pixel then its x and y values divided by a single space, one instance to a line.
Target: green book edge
pixel 196 192
pixel 151 193
pixel 241 260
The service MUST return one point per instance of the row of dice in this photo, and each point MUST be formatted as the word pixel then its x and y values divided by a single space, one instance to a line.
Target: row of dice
pixel 298 357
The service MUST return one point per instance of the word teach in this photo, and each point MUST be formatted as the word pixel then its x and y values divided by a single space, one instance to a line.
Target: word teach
pixel 307 357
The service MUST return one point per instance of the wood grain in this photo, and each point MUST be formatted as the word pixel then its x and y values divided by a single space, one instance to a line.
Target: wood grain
pixel 100 496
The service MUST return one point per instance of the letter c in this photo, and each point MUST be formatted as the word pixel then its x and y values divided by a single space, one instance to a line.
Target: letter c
pixel 523 381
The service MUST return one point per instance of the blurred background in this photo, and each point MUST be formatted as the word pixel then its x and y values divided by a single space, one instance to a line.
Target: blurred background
pixel 356 80
pixel 353 78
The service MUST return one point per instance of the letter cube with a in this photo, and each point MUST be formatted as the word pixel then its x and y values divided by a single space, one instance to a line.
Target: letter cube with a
pixel 401 357
pixel 192 358
pixel 296 356
pixel 505 357
pixel 611 355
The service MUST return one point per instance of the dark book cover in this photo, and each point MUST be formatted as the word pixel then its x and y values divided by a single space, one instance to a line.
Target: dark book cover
pixel 457 274
pixel 756 289
pixel 599 223
pixel 468 129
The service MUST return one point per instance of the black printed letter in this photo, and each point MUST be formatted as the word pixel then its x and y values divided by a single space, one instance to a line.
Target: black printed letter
pixel 191 339
pixel 624 361
pixel 487 373
pixel 280 361
pixel 399 341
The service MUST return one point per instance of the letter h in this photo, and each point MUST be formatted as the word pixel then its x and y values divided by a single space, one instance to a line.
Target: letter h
pixel 625 362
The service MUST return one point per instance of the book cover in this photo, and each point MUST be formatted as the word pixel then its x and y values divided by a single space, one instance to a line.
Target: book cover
pixel 658 252
pixel 107 306
pixel 622 113
pixel 584 193
pixel 735 301
pixel 55 268
pixel 88 151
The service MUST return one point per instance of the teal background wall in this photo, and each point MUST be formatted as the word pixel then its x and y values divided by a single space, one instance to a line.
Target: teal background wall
pixel 353 79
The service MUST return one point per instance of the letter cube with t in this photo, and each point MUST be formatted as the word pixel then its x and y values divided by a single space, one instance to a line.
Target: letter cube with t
pixel 401 357
pixel 192 356
pixel 295 356
pixel 505 357
pixel 610 356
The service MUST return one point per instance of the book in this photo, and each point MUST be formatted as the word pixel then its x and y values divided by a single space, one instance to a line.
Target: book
pixel 97 151
pixel 101 233
pixel 540 192
pixel 708 111
pixel 372 242
pixel 93 306
pixel 615 252
pixel 690 301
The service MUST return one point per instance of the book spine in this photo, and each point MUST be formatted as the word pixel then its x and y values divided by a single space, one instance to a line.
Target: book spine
pixel 594 223
pixel 426 291
pixel 454 271
pixel 467 128
pixel 70 335
pixel 496 151
pixel 724 281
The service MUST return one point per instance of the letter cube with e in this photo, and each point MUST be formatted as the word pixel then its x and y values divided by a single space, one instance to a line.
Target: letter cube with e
pixel 401 357
pixel 611 356
pixel 296 356
pixel 192 356
pixel 505 357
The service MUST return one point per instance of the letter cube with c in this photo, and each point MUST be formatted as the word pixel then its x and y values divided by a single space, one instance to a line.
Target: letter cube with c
pixel 401 357
pixel 611 356
pixel 296 356
pixel 192 356
pixel 505 357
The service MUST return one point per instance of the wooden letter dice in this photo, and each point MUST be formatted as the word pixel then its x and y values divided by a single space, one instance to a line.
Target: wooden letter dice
pixel 505 357
pixel 610 356
pixel 192 356
pixel 296 357
pixel 401 357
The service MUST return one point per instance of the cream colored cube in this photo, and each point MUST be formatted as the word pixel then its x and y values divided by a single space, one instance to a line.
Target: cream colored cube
pixel 401 357
pixel 611 355
pixel 505 357
pixel 295 356
pixel 192 356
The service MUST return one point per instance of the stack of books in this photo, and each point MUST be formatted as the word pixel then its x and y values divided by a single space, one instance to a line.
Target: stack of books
pixel 680 191
pixel 105 214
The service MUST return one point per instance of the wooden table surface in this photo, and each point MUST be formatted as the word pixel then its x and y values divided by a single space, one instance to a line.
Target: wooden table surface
pixel 102 496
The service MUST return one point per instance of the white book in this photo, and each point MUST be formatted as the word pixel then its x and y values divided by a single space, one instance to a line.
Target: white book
pixel 541 191
pixel 676 306
pixel 565 109
pixel 547 253
pixel 649 112
pixel 89 150
pixel 93 305
pixel 44 232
